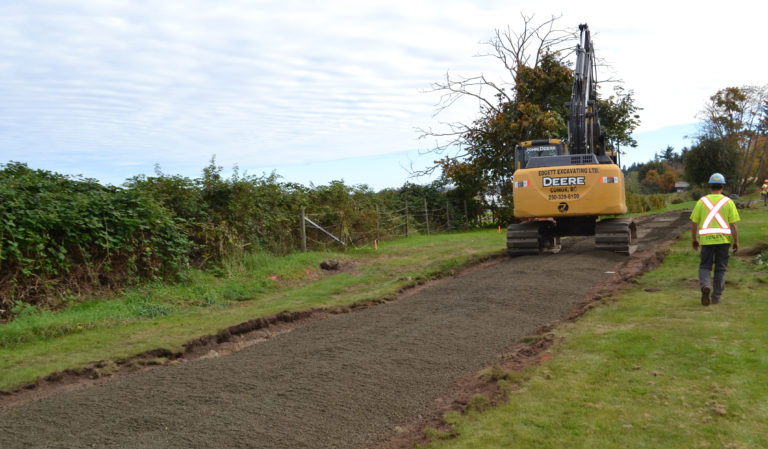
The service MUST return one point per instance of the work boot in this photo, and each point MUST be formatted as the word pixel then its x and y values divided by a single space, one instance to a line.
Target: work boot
pixel 705 295
pixel 715 300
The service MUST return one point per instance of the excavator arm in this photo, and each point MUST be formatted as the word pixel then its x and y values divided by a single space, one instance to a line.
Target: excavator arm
pixel 583 123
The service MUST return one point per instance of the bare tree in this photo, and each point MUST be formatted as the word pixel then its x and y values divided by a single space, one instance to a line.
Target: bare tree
pixel 516 51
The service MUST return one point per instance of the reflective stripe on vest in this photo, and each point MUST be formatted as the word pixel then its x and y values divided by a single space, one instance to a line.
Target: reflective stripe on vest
pixel 714 214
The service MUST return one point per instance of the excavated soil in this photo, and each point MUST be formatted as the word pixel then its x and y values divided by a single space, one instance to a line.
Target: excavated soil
pixel 352 380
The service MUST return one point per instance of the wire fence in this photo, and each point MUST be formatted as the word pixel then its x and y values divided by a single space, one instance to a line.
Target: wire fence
pixel 365 226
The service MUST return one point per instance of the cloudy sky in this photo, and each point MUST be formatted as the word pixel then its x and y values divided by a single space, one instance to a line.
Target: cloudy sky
pixel 319 90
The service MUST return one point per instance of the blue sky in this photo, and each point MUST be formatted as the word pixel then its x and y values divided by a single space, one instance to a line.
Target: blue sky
pixel 317 90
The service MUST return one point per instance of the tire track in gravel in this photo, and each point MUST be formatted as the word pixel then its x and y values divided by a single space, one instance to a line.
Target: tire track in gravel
pixel 341 382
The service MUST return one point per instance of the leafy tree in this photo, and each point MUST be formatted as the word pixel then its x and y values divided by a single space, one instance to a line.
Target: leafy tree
pixel 655 166
pixel 658 175
pixel 667 181
pixel 724 114
pixel 757 151
pixel 537 111
pixel 651 181
pixel 619 118
pixel 669 156
pixel 710 155
pixel 738 117
pixel 761 148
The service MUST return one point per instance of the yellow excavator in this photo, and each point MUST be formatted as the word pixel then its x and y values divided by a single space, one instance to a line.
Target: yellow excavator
pixel 567 189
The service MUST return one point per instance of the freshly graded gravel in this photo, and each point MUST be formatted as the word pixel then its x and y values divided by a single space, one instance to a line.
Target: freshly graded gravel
pixel 341 382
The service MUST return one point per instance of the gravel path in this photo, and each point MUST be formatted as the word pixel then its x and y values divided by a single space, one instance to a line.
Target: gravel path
pixel 342 382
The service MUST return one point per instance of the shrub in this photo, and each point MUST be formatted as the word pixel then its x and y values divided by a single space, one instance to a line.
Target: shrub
pixel 677 198
pixel 657 202
pixel 696 193
pixel 59 234
pixel 644 203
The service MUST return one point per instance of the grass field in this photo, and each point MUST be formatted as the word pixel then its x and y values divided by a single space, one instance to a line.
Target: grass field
pixel 38 343
pixel 649 369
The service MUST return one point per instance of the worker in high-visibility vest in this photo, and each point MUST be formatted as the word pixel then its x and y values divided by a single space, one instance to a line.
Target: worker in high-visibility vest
pixel 714 224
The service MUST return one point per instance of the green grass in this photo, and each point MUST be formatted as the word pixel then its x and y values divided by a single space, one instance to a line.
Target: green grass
pixel 652 369
pixel 38 343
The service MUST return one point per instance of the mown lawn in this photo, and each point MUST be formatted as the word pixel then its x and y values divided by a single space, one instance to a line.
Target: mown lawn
pixel 651 368
pixel 38 343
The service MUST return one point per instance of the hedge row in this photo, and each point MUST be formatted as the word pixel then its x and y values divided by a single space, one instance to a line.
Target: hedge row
pixel 62 235
pixel 58 234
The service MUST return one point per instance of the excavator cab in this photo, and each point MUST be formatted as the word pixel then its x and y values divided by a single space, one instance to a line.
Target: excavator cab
pixel 538 148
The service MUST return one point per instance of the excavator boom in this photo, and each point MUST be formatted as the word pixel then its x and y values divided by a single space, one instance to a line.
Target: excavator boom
pixel 583 125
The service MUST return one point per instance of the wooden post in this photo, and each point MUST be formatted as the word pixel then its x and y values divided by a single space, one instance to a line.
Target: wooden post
pixel 447 215
pixel 378 224
pixel 406 218
pixel 426 214
pixel 303 232
pixel 466 216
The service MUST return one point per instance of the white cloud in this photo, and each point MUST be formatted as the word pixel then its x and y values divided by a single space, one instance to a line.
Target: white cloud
pixel 129 83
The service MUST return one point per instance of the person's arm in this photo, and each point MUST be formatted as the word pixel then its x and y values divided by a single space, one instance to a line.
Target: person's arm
pixel 735 234
pixel 695 235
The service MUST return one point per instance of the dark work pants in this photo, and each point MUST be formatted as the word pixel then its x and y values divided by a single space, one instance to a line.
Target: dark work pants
pixel 716 255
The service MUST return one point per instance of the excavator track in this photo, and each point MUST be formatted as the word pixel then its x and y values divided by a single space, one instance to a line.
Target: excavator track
pixel 531 238
pixel 616 234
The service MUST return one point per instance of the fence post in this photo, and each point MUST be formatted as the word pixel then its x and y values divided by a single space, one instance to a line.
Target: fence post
pixel 466 216
pixel 426 214
pixel 447 215
pixel 406 218
pixel 378 224
pixel 303 232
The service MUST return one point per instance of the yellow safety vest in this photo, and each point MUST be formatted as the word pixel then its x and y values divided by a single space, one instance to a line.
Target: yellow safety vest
pixel 714 214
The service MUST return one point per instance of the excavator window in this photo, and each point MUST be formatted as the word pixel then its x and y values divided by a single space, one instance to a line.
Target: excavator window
pixel 528 150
